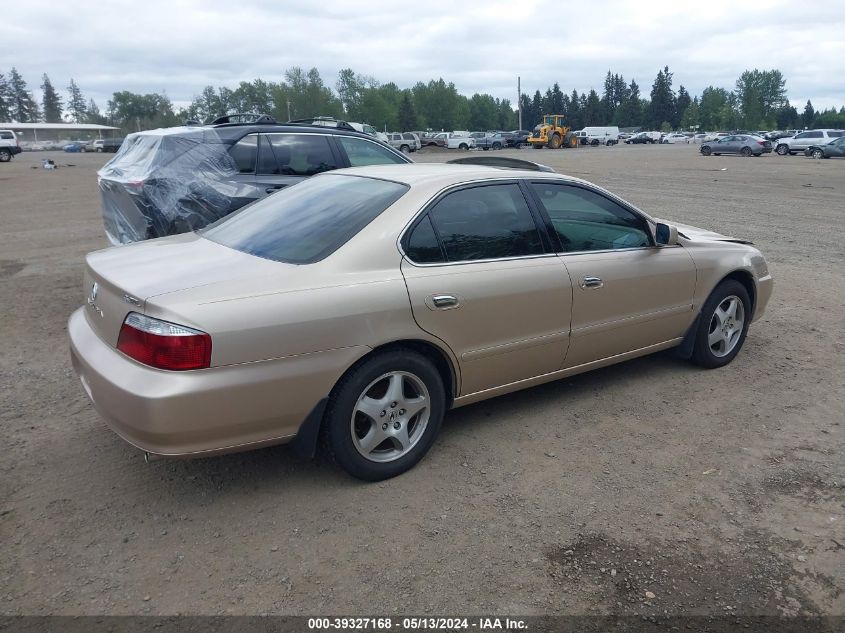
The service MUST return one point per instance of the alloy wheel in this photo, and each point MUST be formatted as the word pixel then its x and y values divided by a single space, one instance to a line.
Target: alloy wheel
pixel 726 326
pixel 390 416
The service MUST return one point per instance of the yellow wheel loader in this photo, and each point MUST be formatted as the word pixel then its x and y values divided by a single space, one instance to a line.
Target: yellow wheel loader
pixel 552 133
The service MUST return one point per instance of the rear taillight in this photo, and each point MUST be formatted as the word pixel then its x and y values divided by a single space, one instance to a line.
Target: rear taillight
pixel 761 143
pixel 164 345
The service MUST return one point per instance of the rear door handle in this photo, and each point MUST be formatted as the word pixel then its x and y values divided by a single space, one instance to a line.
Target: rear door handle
pixel 444 301
pixel 592 282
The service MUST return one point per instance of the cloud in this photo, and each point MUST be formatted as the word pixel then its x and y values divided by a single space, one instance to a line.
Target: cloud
pixel 181 46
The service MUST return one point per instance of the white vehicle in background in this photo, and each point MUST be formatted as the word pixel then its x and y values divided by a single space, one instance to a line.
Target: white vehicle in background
pixel 366 128
pixel 675 138
pixel 715 136
pixel 454 140
pixel 598 135
pixel 699 138
pixel 802 141
pixel 9 145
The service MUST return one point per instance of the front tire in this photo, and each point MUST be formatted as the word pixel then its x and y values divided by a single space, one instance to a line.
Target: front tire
pixel 384 415
pixel 554 141
pixel 723 325
pixel 818 154
pixel 782 150
pixel 5 156
pixel 463 147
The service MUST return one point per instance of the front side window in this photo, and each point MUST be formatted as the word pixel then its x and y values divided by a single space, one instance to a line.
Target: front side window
pixel 362 152
pixel 485 222
pixel 308 221
pixel 587 221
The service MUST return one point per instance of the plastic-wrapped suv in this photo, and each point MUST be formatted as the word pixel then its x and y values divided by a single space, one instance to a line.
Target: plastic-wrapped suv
pixel 176 180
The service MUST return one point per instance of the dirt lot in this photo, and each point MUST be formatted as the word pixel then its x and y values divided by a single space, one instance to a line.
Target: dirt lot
pixel 720 492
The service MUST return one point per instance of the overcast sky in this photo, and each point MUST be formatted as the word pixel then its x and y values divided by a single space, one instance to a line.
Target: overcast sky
pixel 180 46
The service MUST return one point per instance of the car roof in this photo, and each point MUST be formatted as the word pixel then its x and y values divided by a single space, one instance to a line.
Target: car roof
pixel 236 131
pixel 445 174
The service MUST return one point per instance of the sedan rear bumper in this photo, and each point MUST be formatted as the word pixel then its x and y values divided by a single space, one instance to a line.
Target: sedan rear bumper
pixel 192 413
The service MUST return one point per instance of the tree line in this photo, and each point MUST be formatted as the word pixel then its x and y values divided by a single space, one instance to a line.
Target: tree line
pixel 758 100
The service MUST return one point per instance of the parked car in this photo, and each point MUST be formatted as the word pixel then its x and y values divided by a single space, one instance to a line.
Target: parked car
pixel 9 145
pixel 76 146
pixel 802 141
pixel 490 140
pixel 518 138
pixel 699 138
pixel 671 139
pixel 175 180
pixel 112 144
pixel 643 138
pixel 355 306
pixel 451 140
pixel 405 142
pixel 715 136
pixel 743 144
pixel 607 135
pixel 93 146
pixel 833 149
pixel 434 139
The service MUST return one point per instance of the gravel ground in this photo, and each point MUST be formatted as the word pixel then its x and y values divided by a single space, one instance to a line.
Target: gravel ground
pixel 647 488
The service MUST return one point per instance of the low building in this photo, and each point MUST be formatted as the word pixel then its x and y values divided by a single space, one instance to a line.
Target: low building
pixel 58 132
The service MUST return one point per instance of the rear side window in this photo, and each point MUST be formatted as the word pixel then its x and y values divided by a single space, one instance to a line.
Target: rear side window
pixel 408 137
pixel 422 245
pixel 362 152
pixel 301 154
pixel 587 221
pixel 244 153
pixel 307 222
pixel 486 222
pixel 836 134
pixel 7 135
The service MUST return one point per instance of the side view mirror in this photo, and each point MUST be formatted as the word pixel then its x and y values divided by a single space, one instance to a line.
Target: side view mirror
pixel 666 234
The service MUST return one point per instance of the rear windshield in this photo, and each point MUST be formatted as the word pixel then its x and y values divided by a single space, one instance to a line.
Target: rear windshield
pixel 308 221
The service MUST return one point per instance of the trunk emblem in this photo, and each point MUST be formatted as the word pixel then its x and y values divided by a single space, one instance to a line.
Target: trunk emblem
pixel 92 297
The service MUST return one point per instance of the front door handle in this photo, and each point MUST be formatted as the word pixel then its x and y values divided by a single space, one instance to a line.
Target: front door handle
pixel 592 282
pixel 444 301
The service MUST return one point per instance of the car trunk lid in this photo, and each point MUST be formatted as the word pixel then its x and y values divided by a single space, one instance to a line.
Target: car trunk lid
pixel 121 280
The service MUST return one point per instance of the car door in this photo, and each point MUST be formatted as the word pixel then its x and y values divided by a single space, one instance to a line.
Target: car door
pixel 481 277
pixel 628 293
pixel 836 147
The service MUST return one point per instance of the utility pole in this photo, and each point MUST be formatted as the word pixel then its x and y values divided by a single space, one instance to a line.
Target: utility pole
pixel 289 118
pixel 519 98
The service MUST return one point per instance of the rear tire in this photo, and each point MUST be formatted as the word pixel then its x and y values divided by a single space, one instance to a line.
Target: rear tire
pixel 570 140
pixel 818 154
pixel 405 149
pixel 706 151
pixel 782 150
pixel 497 146
pixel 463 146
pixel 5 156
pixel 723 325
pixel 746 151
pixel 384 415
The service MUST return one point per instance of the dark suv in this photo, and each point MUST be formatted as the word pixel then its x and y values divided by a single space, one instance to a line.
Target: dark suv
pixel 176 180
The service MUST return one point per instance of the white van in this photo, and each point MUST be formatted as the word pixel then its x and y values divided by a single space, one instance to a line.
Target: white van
pixel 598 135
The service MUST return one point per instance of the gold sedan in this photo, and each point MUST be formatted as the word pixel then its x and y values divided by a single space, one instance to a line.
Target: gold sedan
pixel 360 305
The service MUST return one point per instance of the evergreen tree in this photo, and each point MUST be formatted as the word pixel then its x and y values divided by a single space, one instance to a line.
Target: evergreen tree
pixel 407 113
pixel 681 104
pixel 76 103
pixel 23 107
pixel 5 99
pixel 662 107
pixel 631 111
pixel 575 117
pixel 51 102
pixel 809 116
pixel 592 114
